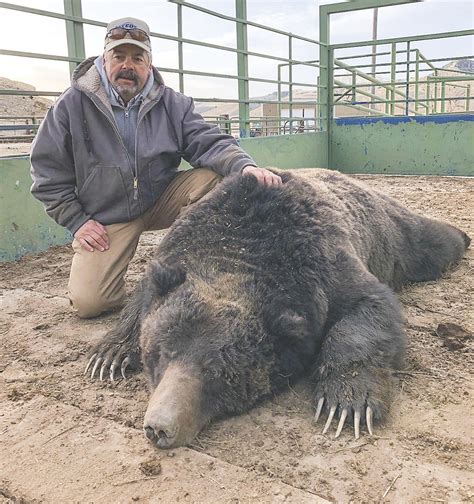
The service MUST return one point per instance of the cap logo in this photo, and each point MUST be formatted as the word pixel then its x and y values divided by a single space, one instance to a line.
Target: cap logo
pixel 127 26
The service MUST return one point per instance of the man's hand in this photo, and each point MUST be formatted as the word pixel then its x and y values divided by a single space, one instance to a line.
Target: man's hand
pixel 92 235
pixel 264 176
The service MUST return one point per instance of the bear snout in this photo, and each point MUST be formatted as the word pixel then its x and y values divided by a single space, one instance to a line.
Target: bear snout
pixel 162 435
pixel 174 417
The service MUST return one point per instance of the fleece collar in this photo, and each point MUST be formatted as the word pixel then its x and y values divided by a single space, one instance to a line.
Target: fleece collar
pixel 87 78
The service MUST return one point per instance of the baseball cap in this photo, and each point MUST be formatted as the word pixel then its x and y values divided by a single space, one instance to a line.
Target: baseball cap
pixel 127 30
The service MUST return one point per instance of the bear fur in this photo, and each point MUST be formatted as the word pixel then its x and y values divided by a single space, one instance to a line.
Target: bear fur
pixel 254 286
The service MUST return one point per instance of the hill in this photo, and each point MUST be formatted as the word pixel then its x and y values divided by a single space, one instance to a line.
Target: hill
pixel 34 106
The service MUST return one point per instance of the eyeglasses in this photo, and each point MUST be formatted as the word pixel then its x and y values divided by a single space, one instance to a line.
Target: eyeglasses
pixel 135 33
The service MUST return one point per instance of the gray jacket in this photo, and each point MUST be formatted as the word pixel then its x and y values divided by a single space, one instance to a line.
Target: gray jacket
pixel 80 166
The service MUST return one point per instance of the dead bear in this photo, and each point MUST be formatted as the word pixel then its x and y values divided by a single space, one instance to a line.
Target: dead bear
pixel 255 285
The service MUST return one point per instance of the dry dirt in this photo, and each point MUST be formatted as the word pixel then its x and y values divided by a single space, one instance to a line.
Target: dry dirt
pixel 64 438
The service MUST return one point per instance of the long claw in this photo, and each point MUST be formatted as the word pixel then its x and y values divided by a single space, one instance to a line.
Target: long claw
pixel 319 409
pixel 96 365
pixel 357 424
pixel 329 420
pixel 113 367
pixel 102 370
pixel 124 366
pixel 89 363
pixel 368 419
pixel 341 423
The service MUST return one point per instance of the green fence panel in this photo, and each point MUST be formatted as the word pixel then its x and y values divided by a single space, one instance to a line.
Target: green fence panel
pixel 306 150
pixel 431 145
pixel 24 225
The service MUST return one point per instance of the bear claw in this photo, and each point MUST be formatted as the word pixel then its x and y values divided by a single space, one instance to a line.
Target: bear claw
pixel 318 409
pixel 96 365
pixel 357 424
pixel 329 420
pixel 341 423
pixel 91 360
pixel 124 366
pixel 97 360
pixel 368 419
pixel 344 413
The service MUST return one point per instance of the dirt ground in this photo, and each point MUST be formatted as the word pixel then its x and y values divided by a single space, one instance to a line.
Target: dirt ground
pixel 64 438
pixel 15 149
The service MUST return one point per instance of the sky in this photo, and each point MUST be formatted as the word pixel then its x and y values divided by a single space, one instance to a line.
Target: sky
pixel 295 16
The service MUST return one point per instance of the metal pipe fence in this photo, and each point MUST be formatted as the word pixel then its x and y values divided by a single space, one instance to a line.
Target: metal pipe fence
pixel 76 53
pixel 425 88
pixel 403 81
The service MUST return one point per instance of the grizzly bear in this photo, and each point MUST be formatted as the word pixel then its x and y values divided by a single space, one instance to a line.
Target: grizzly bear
pixel 254 286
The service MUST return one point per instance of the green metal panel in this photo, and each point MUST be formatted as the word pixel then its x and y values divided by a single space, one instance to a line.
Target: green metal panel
pixel 325 109
pixel 410 148
pixel 24 225
pixel 242 67
pixel 180 47
pixel 364 4
pixel 74 32
pixel 307 150
pixel 411 38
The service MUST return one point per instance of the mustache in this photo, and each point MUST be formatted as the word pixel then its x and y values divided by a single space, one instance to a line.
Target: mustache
pixel 127 74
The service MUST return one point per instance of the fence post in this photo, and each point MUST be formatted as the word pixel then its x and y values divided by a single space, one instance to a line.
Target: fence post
pixel 290 79
pixel 279 97
pixel 325 108
pixel 407 86
pixel 393 78
pixel 180 47
pixel 417 78
pixel 74 33
pixel 243 68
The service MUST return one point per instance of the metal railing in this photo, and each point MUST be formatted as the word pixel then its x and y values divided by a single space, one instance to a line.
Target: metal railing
pixel 403 81
pixel 412 85
pixel 76 53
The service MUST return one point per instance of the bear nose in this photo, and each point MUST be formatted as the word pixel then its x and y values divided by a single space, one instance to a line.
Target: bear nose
pixel 150 433
pixel 162 435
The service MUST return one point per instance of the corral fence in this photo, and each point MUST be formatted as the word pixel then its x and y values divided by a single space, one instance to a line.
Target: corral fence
pixel 374 78
pixel 376 106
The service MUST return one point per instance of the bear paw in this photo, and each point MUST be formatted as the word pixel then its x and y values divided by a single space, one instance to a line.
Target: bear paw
pixel 361 395
pixel 112 356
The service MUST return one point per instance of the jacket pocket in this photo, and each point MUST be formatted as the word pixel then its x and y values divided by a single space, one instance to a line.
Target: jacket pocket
pixel 161 172
pixel 104 195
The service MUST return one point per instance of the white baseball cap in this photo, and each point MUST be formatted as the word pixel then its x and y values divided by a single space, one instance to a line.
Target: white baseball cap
pixel 128 31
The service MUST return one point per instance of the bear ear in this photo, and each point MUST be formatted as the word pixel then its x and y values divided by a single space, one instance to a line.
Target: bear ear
pixel 286 323
pixel 166 277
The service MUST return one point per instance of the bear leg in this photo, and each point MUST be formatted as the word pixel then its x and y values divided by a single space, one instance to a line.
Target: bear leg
pixel 353 373
pixel 119 348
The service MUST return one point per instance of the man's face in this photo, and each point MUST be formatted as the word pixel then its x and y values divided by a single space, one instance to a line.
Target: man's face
pixel 127 67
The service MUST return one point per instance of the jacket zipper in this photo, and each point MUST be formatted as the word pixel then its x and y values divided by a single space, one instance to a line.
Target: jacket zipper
pixel 146 109
pixel 134 173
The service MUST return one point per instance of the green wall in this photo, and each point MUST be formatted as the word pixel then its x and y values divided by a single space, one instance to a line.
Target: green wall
pixel 24 225
pixel 440 146
pixel 429 145
pixel 308 150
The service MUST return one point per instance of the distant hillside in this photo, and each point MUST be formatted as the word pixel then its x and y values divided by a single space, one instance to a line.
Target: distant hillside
pixel 34 106
pixel 465 65
pixel 455 92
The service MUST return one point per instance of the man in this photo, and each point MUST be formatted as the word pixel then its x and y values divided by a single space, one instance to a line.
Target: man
pixel 104 162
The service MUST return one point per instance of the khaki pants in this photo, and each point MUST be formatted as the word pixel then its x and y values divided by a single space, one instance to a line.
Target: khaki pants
pixel 96 282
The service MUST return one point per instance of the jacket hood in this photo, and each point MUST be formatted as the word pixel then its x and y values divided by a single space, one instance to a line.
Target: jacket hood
pixel 86 78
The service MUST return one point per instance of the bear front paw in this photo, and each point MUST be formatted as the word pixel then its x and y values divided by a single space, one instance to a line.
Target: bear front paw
pixel 361 395
pixel 111 357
